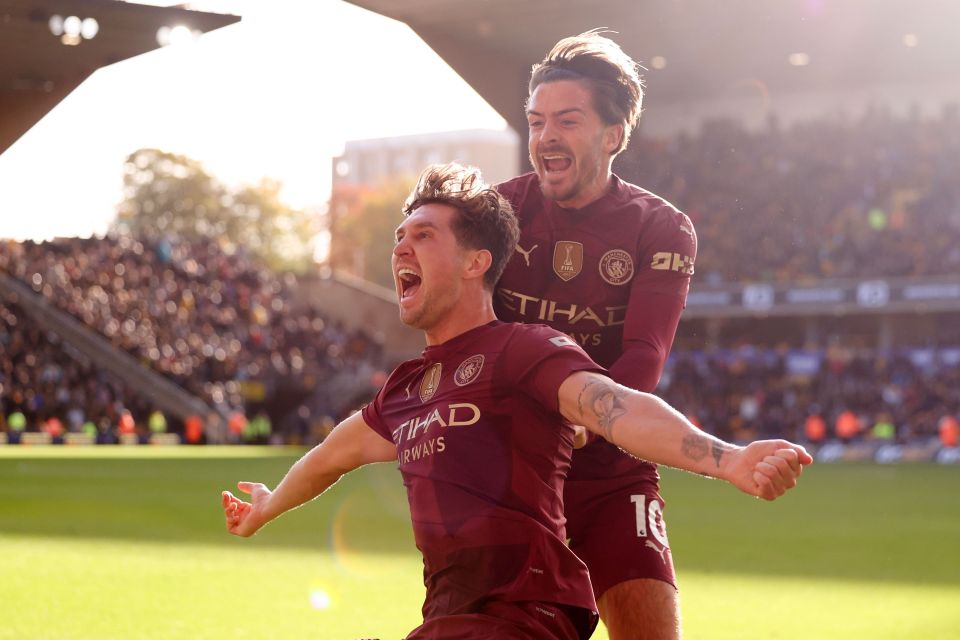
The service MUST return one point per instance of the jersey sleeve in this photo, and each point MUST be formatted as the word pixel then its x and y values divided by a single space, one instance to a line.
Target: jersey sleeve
pixel 647 338
pixel 658 295
pixel 667 255
pixel 373 412
pixel 540 359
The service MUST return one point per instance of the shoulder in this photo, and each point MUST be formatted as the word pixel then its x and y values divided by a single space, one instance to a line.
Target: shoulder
pixel 536 336
pixel 662 222
pixel 401 375
pixel 520 190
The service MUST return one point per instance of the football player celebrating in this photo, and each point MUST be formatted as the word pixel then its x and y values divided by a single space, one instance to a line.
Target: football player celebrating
pixel 609 264
pixel 481 426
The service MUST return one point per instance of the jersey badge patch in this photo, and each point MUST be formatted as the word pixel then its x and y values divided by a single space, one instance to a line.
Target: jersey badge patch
pixel 567 259
pixel 468 370
pixel 616 267
pixel 564 341
pixel 430 382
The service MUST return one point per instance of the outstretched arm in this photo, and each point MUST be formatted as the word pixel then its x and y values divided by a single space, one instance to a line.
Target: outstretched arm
pixel 647 427
pixel 350 445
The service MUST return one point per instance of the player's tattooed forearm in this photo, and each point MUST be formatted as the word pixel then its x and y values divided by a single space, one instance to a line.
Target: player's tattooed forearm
pixel 605 401
pixel 718 449
pixel 694 446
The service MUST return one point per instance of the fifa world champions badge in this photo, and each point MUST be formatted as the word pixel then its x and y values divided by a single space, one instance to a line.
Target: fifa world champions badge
pixel 567 259
pixel 431 380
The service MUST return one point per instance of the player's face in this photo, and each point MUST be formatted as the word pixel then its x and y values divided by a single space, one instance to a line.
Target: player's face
pixel 426 263
pixel 569 144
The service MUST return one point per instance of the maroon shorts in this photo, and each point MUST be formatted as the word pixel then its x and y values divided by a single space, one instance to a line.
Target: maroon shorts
pixel 616 527
pixel 498 620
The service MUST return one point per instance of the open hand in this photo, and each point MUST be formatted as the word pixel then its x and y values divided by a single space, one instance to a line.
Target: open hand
pixel 245 518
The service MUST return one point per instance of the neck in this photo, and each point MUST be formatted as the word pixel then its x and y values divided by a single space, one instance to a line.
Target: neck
pixel 589 194
pixel 469 313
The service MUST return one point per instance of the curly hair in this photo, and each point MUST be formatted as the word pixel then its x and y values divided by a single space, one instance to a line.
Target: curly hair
pixel 485 218
pixel 612 75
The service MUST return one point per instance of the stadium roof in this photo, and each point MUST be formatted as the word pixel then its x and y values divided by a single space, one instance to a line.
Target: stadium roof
pixel 703 48
pixel 38 68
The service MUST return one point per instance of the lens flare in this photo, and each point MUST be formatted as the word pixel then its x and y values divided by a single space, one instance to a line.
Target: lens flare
pixel 321 597
pixel 350 521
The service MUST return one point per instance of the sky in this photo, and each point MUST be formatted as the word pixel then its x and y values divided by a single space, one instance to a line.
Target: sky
pixel 275 95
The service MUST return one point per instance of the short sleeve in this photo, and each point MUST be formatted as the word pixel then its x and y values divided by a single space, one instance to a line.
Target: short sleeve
pixel 539 359
pixel 373 413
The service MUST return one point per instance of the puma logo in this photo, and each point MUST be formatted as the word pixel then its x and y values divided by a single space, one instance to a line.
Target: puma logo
pixel 661 550
pixel 526 254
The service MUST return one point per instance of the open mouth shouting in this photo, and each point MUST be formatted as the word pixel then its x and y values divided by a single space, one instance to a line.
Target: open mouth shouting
pixel 555 163
pixel 408 281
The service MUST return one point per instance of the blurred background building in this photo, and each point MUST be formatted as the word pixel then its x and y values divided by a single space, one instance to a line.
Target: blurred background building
pixel 373 162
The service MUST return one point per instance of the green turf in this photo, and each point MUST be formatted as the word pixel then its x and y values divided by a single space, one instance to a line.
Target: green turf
pixel 129 543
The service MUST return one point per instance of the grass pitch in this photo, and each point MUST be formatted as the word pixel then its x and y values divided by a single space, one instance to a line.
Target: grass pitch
pixel 129 543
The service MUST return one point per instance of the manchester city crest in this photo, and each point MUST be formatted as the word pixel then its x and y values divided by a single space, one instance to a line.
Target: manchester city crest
pixel 616 267
pixel 468 370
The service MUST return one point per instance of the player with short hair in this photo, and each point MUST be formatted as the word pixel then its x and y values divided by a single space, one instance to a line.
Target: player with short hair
pixel 481 426
pixel 609 264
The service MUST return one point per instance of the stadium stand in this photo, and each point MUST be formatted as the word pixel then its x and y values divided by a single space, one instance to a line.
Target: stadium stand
pixel 834 198
pixel 900 396
pixel 213 322
pixel 54 388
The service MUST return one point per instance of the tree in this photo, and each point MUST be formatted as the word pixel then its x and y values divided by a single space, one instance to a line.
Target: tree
pixel 165 193
pixel 362 225
pixel 169 193
pixel 280 235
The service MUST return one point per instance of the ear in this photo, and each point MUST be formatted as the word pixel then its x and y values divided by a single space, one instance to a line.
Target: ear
pixel 612 135
pixel 476 263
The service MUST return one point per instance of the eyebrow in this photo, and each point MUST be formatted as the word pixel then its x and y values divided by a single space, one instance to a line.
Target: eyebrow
pixel 416 225
pixel 562 112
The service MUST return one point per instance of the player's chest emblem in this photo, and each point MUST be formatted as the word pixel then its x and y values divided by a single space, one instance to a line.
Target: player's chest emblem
pixel 430 382
pixel 567 259
pixel 616 267
pixel 468 370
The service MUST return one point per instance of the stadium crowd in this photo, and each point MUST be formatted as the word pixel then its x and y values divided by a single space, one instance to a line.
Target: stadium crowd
pixel 45 385
pixel 835 197
pixel 213 321
pixel 836 393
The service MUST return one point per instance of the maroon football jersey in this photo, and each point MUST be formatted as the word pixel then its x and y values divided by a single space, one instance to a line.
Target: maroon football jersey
pixel 595 273
pixel 484 452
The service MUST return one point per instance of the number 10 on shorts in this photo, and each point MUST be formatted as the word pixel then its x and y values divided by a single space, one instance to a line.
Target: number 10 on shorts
pixel 649 513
